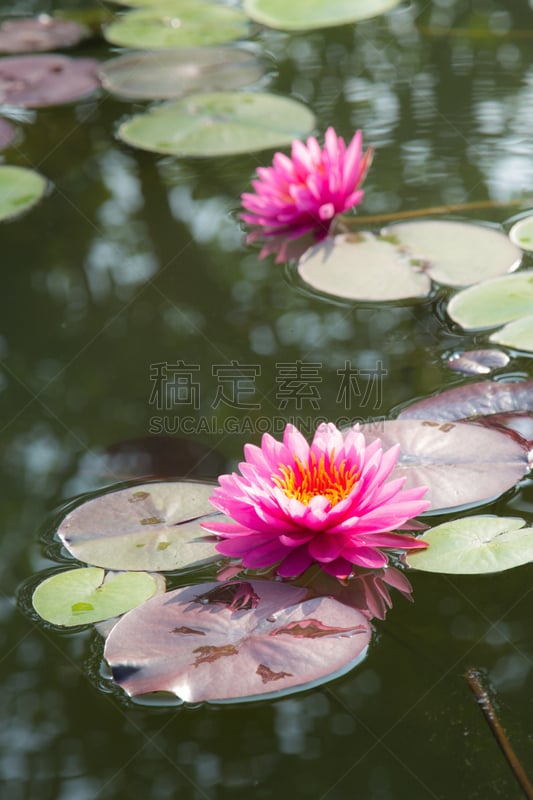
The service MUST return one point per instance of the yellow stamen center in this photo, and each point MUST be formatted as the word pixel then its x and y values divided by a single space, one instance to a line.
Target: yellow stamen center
pixel 325 478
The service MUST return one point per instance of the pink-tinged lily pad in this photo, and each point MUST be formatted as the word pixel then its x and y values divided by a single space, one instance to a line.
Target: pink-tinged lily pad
pixel 171 74
pixel 153 527
pixel 7 133
pixel 462 464
pixel 235 641
pixel 46 80
pixel 518 426
pixel 32 34
pixel 478 362
pixel 473 400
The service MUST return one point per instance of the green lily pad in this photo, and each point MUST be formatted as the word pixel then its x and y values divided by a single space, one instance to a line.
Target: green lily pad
pixel 179 24
pixel 221 123
pixel 517 334
pixel 81 596
pixel 20 189
pixel 153 527
pixel 493 302
pixel 456 253
pixel 362 267
pixel 310 14
pixel 522 233
pixel 475 545
pixel 175 73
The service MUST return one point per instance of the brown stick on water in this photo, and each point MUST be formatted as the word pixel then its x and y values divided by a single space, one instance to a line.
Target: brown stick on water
pixel 475 680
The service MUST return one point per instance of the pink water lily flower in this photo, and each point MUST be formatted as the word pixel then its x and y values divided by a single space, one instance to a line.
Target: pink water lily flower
pixel 328 503
pixel 304 193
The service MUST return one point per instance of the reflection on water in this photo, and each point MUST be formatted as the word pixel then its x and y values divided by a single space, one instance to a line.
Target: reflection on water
pixel 135 260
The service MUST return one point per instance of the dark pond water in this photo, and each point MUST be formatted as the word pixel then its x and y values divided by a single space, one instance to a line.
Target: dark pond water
pixel 135 261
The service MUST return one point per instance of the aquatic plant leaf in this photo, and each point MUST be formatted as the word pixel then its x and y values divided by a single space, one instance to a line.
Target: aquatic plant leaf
pixel 219 123
pixel 177 24
pixel 478 362
pixel 7 133
pixel 493 302
pixel 33 34
pixel 522 233
pixel 362 267
pixel 193 643
pixel 475 545
pixel 20 189
pixel 456 253
pixel 46 80
pixel 506 407
pixel 517 334
pixel 81 596
pixel 152 526
pixel 473 400
pixel 314 14
pixel 175 73
pixel 463 464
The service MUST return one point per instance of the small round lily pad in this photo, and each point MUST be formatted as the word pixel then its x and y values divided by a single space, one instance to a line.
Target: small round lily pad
pixel 178 24
pixel 493 302
pixel 20 189
pixel 175 73
pixel 217 124
pixel 33 34
pixel 81 596
pixel 314 14
pixel 478 362
pixel 475 545
pixel 46 80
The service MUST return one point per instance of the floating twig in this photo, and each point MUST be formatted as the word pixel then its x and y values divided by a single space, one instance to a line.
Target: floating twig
pixel 476 681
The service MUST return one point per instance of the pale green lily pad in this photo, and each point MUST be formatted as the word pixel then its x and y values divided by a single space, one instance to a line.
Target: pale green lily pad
pixel 175 73
pixel 362 267
pixel 20 189
pixel 456 253
pixel 153 527
pixel 522 233
pixel 80 596
pixel 517 334
pixel 310 14
pixel 475 545
pixel 217 124
pixel 493 302
pixel 171 25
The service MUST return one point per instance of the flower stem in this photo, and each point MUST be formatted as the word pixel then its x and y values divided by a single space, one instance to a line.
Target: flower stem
pixel 434 211
pixel 477 684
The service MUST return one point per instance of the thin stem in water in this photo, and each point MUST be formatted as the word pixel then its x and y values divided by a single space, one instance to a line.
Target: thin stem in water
pixel 476 682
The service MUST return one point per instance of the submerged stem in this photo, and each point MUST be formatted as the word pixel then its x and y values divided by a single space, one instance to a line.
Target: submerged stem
pixel 475 680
